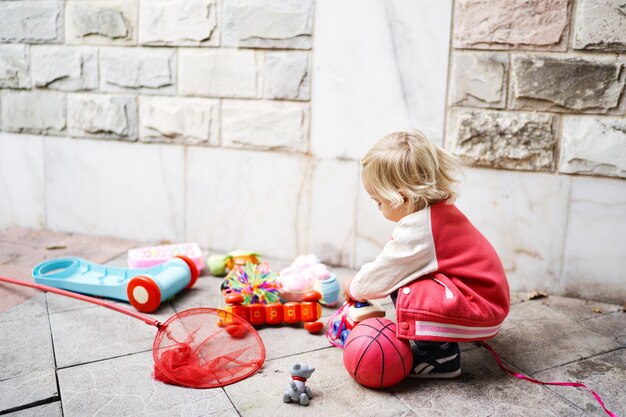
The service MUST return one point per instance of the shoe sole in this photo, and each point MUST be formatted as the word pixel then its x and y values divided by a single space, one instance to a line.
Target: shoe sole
pixel 440 375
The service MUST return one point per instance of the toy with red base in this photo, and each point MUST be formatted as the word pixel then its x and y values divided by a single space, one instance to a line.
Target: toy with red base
pixel 145 289
pixel 306 273
pixel 308 311
pixel 347 316
pixel 255 282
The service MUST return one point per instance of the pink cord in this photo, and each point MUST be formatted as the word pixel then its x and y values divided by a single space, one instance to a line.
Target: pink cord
pixel 329 332
pixel 563 384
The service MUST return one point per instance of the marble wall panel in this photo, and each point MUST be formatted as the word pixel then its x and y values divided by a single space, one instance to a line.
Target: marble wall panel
pixel 594 257
pixel 331 217
pixel 524 216
pixel 240 199
pixel 373 231
pixel 393 78
pixel 22 181
pixel 114 188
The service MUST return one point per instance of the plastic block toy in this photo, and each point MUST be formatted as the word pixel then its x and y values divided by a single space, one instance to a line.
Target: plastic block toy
pixel 145 289
pixel 308 311
pixel 154 255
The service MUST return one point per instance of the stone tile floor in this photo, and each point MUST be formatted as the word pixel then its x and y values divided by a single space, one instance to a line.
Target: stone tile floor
pixel 62 357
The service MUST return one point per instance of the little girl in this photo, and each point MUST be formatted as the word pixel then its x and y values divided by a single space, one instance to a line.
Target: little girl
pixel 445 279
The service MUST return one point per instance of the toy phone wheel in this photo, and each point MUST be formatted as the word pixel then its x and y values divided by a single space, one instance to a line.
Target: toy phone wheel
pixel 337 328
pixel 144 294
pixel 234 299
pixel 312 295
pixel 314 326
pixel 344 336
pixel 236 331
pixel 192 268
pixel 224 287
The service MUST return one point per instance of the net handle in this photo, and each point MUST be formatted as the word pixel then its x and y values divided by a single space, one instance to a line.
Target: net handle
pixel 45 288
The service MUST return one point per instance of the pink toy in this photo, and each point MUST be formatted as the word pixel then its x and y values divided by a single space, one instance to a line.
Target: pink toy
pixel 346 317
pixel 308 273
pixel 154 255
pixel 373 355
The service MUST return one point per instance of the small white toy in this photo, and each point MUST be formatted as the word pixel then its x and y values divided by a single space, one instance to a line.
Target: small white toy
pixel 298 391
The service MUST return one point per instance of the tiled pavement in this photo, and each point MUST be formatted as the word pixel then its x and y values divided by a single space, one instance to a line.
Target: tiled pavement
pixel 60 357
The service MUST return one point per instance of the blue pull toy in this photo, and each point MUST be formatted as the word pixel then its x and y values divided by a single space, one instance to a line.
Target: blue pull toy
pixel 143 288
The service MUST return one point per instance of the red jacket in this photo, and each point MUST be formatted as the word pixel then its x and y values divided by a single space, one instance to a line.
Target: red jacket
pixel 450 281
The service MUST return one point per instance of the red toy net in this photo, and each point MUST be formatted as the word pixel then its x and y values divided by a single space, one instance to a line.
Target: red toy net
pixel 197 348
pixel 206 348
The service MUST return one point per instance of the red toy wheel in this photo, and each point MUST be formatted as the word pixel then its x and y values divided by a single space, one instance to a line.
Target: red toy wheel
pixel 192 268
pixel 144 294
pixel 312 295
pixel 314 327
pixel 234 298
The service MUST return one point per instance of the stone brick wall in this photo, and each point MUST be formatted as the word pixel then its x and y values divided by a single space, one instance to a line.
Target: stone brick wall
pixel 539 86
pixel 188 120
pixel 231 74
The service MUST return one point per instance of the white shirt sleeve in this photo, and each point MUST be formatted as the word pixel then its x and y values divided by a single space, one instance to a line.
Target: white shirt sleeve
pixel 408 255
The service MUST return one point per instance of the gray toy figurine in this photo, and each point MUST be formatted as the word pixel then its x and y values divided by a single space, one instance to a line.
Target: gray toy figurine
pixel 298 391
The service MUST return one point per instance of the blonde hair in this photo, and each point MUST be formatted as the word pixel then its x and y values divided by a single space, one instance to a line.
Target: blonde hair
pixel 407 166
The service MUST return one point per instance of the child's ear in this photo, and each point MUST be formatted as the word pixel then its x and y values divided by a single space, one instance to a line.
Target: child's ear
pixel 404 197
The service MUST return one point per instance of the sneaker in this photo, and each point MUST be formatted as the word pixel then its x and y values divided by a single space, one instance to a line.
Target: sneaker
pixel 436 360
